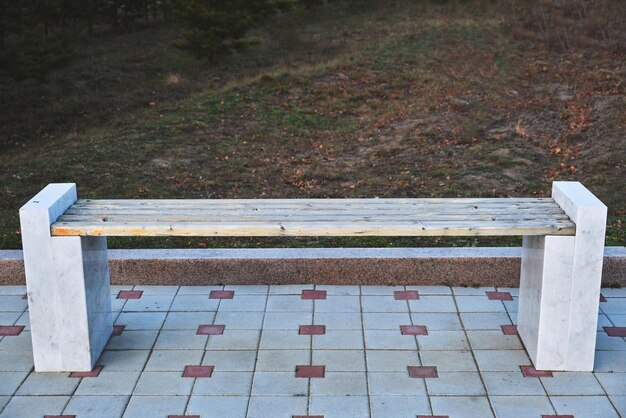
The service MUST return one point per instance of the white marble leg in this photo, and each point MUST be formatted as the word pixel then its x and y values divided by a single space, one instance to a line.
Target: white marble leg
pixel 560 285
pixel 67 281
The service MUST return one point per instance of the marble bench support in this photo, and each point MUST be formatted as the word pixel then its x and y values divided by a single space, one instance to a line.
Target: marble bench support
pixel 560 285
pixel 67 280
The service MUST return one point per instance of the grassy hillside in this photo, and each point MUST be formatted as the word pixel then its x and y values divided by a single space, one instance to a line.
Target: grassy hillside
pixel 391 100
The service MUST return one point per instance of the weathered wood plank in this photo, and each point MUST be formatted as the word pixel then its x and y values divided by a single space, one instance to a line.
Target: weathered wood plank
pixel 325 201
pixel 305 216
pixel 315 228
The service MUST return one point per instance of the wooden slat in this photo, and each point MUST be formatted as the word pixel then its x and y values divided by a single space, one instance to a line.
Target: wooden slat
pixel 315 217
pixel 305 216
pixel 314 228
pixel 299 202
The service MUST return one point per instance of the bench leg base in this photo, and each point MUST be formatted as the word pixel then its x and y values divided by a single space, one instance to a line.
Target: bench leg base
pixel 67 282
pixel 560 283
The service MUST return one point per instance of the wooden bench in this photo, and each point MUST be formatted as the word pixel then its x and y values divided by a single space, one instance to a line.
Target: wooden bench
pixel 65 256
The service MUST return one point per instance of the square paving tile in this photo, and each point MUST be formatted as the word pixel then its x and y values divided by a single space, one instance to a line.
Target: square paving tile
pixel 493 340
pixel 390 360
pixel 438 321
pixel 109 383
pixel 234 339
pixel 613 383
pixel 244 303
pixel 96 406
pixel 387 384
pixel 389 340
pixel 10 381
pixel 279 383
pixel 284 340
pixel 48 384
pixel 512 383
pixel 187 320
pixel 340 384
pixel 133 340
pixel 218 406
pixel 141 320
pixel 450 361
pixel 180 340
pixel 286 320
pixel 584 406
pixel 443 340
pixel 500 360
pixel 433 304
pixel 15 361
pixel 224 383
pixel 34 406
pixel 240 320
pixel 339 320
pixel 336 406
pixel 149 303
pixel 282 360
pixel 12 303
pixel 484 321
pixel 399 406
pixel 479 304
pixel 231 361
pixel 571 383
pixel 385 320
pixel 340 360
pixel 456 383
pixel 521 406
pixel 276 406
pixel 194 303
pixel 155 406
pixel 173 360
pixel 339 340
pixel 466 407
pixel 288 303
pixel 338 304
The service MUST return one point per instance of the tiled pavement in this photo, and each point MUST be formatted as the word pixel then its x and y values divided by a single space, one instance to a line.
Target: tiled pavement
pixel 251 351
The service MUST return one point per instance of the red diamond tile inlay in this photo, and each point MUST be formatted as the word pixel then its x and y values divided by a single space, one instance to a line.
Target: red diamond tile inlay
pixel 509 329
pixel 312 330
pixel 615 331
pixel 198 371
pixel 130 294
pixel 94 373
pixel 499 296
pixel 413 330
pixel 210 330
pixel 118 329
pixel 313 294
pixel 530 371
pixel 11 330
pixel 602 298
pixel 406 295
pixel 222 294
pixel 310 371
pixel 423 371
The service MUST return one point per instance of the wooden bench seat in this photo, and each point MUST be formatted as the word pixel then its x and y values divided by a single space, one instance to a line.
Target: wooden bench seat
pixel 314 217
pixel 67 277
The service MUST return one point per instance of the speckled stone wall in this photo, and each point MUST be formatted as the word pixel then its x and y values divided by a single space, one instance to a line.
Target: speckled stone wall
pixel 367 266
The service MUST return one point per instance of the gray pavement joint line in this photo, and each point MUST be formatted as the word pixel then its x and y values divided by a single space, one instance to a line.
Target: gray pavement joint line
pixel 469 344
pixel 258 347
pixel 367 375
pixel 419 355
pixel 151 350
